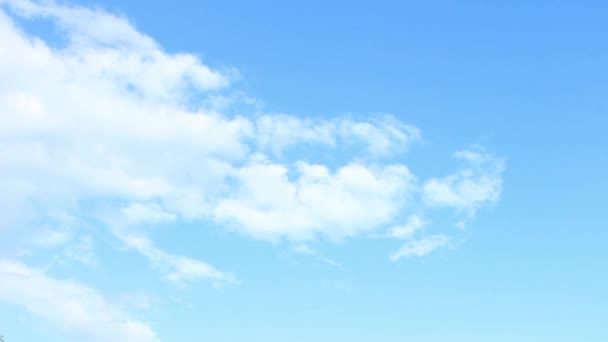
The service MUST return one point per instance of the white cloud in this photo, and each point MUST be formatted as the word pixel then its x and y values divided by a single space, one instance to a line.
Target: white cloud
pixel 119 126
pixel 177 268
pixel 414 223
pixel 331 262
pixel 92 129
pixel 96 128
pixel 79 311
pixel 380 136
pixel 119 123
pixel 421 247
pixel 354 199
pixel 108 47
pixel 277 132
pixel 305 249
pixel 480 182
pixel 383 137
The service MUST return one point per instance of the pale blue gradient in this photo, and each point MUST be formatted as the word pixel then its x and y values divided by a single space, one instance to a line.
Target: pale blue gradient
pixel 526 79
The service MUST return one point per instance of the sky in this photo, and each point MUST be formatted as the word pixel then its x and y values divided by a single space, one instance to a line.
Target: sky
pixel 303 171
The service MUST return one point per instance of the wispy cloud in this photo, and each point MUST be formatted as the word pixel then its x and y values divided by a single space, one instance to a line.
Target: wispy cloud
pixel 421 247
pixel 82 251
pixel 76 309
pixel 305 249
pixel 478 183
pixel 381 136
pixel 177 268
pixel 413 224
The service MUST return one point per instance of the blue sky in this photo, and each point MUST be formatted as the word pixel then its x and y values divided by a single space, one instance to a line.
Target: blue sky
pixel 351 171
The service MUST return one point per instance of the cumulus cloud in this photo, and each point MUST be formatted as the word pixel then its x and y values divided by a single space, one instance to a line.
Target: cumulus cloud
pixel 105 46
pixel 92 128
pixel 81 312
pixel 110 122
pixel 352 200
pixel 95 129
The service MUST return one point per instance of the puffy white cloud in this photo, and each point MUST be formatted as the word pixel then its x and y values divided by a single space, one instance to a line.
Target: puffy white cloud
pixel 107 123
pixel 105 46
pixel 79 311
pixel 91 129
pixel 95 127
pixel 117 121
pixel 352 200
